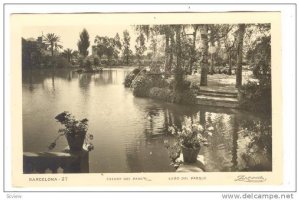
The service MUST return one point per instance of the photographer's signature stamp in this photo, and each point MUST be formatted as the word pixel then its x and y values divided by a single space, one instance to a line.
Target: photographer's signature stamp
pixel 251 179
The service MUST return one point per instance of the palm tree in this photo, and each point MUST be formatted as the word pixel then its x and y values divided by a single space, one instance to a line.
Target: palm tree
pixel 68 54
pixel 53 40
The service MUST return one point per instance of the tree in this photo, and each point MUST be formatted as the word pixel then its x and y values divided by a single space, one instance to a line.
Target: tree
pixel 240 39
pixel 126 46
pixel 179 79
pixel 140 47
pixel 108 46
pixel 101 45
pixel 229 41
pixel 53 40
pixel 193 49
pixel 117 46
pixel 169 33
pixel 68 54
pixel 204 55
pixel 213 37
pixel 153 46
pixel 31 54
pixel 84 43
pixel 259 52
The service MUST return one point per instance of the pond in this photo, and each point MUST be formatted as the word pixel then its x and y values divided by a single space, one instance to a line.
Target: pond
pixel 125 139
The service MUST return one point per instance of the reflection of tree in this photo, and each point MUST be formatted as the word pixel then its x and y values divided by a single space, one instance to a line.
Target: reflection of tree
pixel 70 75
pixel 53 80
pixel 234 143
pixel 30 80
pixel 85 80
pixel 133 159
pixel 104 78
pixel 258 155
pixel 202 118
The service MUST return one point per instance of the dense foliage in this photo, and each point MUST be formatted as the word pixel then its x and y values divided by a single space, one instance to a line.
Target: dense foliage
pixel 84 43
pixel 256 97
pixel 130 77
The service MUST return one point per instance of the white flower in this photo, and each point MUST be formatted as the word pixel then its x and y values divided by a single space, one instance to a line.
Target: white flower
pixel 200 128
pixel 209 133
pixel 188 130
pixel 210 128
pixel 194 127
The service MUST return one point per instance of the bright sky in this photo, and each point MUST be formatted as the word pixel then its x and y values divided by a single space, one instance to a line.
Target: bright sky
pixel 69 35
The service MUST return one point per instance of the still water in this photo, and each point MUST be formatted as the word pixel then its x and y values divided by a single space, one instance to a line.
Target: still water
pixel 125 139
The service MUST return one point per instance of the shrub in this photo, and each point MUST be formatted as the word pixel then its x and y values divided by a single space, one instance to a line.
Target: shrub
pixel 61 62
pixel 135 71
pixel 96 61
pixel 256 97
pixel 143 83
pixel 130 77
pixel 185 97
pixel 184 85
pixel 141 86
pixel 164 94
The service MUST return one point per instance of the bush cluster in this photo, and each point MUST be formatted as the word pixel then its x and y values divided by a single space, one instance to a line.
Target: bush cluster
pixel 143 83
pixel 164 94
pixel 159 88
pixel 256 97
pixel 130 77
pixel 141 86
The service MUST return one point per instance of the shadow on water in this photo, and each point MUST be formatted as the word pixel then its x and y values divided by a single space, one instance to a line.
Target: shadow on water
pixel 130 132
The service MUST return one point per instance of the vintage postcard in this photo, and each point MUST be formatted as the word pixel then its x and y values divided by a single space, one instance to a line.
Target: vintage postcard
pixel 146 99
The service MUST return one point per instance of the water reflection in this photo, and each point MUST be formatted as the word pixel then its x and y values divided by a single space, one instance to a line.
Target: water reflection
pixel 130 132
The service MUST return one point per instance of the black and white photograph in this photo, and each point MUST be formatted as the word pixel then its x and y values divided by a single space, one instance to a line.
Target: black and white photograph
pixel 147 98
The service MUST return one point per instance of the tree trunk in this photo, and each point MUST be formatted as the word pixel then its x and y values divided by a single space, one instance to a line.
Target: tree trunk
pixel 204 59
pixel 241 33
pixel 52 49
pixel 193 51
pixel 229 63
pixel 178 68
pixel 211 64
pixel 171 50
pixel 178 47
pixel 167 53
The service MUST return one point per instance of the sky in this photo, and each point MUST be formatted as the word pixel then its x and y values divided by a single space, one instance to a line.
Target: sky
pixel 69 35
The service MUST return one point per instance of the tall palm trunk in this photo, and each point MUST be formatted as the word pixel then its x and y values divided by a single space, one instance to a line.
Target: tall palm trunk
pixel 241 33
pixel 204 59
pixel 52 49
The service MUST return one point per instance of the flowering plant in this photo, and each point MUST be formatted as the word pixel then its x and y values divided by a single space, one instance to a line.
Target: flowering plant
pixel 191 135
pixel 73 128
